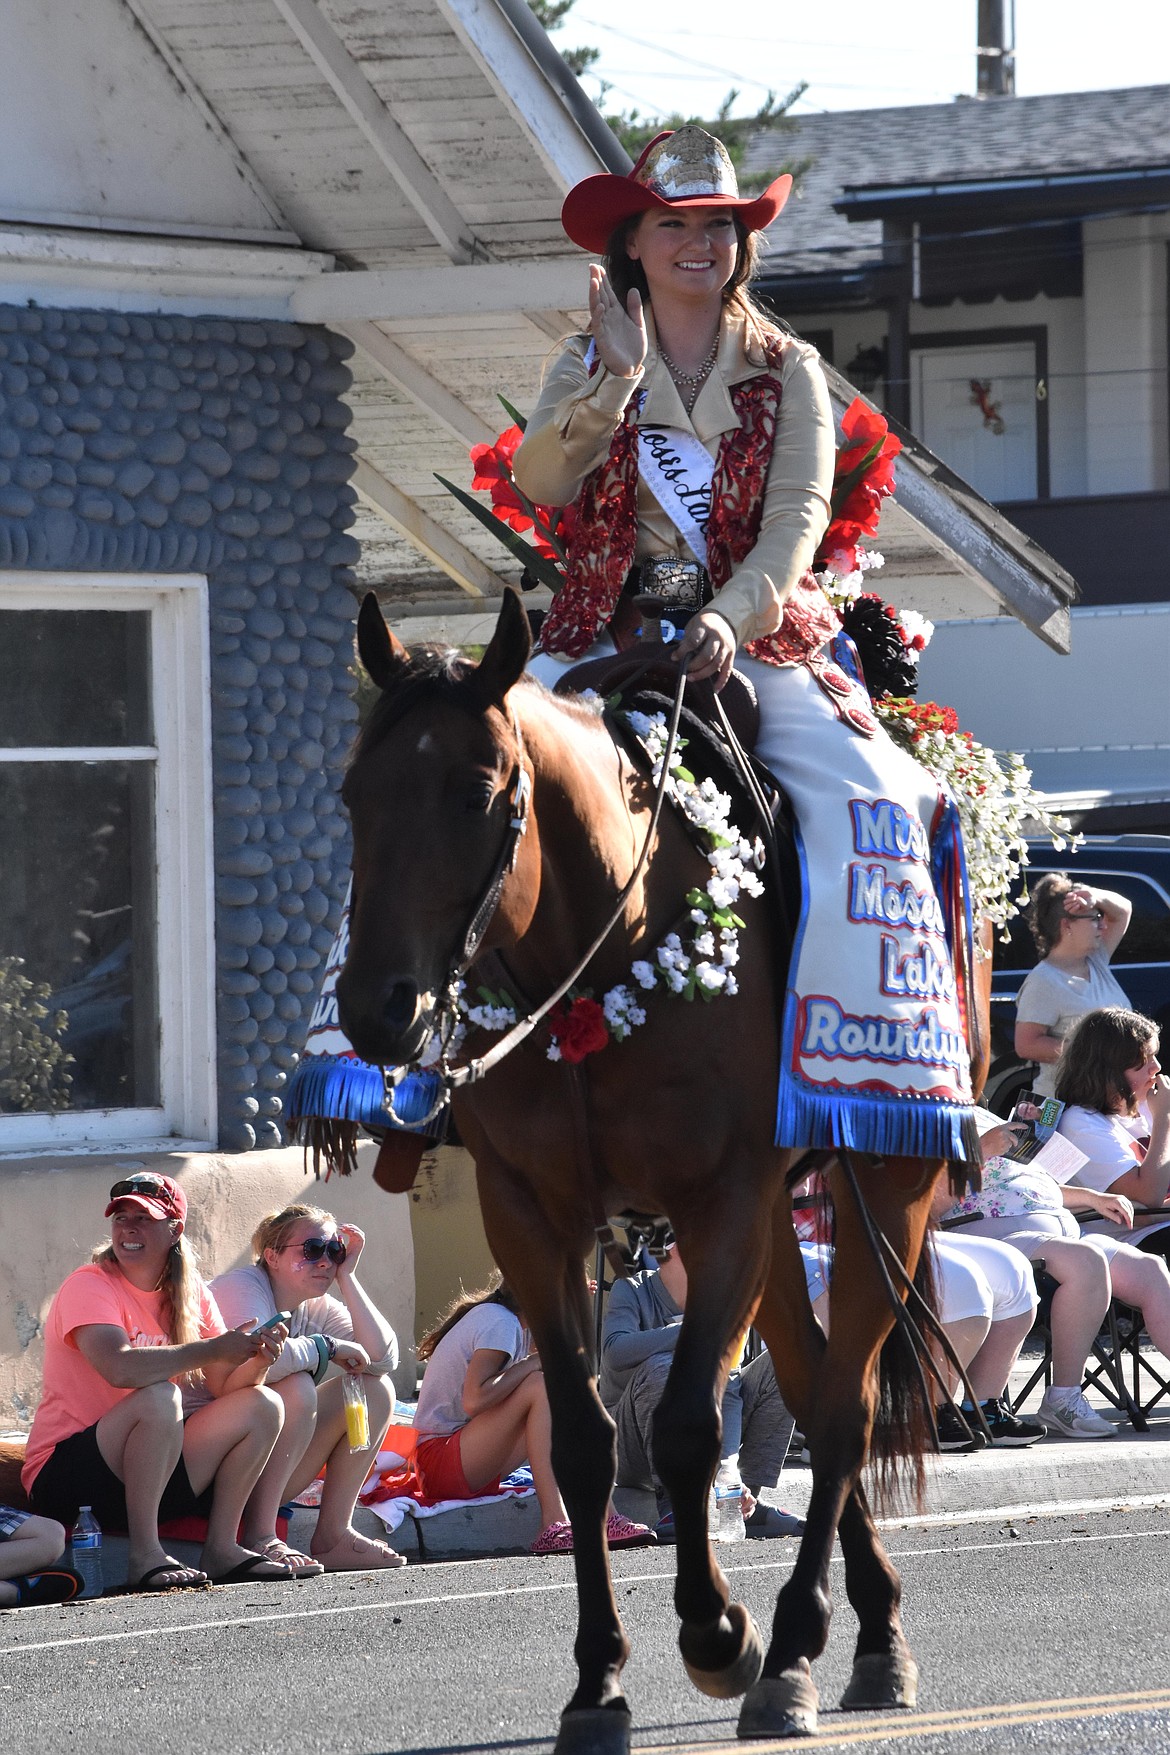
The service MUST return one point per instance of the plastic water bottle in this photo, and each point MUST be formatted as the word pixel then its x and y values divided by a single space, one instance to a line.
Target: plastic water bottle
pixel 86 1542
pixel 728 1493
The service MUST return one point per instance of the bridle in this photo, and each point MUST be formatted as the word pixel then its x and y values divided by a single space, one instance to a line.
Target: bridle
pixel 452 1078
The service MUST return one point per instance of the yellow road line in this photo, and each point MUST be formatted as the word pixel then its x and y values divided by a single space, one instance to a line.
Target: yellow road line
pixel 900 1726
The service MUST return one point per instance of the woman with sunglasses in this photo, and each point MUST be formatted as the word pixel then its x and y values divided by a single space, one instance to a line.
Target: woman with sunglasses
pixel 1077 930
pixel 126 1336
pixel 306 1262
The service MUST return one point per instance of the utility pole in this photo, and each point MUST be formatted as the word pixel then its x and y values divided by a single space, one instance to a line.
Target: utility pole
pixel 996 49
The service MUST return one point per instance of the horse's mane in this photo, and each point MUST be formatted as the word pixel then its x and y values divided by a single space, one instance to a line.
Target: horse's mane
pixel 441 673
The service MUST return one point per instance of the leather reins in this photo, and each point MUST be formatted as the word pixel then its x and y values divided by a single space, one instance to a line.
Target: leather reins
pixel 454 1078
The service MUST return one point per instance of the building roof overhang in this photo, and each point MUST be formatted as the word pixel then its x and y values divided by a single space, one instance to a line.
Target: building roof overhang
pixel 1052 195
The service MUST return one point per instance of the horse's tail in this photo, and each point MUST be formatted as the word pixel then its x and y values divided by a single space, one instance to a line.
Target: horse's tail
pixel 904 1432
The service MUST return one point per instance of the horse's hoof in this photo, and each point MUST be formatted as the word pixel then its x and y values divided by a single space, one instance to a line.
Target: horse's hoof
pixel 743 1671
pixel 594 1730
pixel 781 1706
pixel 880 1680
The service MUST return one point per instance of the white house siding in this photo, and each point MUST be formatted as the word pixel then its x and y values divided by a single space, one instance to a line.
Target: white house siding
pixel 1125 354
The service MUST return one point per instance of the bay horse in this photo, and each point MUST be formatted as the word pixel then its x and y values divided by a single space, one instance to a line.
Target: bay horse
pixel 678 1120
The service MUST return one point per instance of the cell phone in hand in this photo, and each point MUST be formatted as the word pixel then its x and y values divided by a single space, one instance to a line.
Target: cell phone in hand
pixel 275 1321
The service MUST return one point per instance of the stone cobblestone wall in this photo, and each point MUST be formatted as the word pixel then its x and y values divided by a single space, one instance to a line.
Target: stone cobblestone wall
pixel 196 445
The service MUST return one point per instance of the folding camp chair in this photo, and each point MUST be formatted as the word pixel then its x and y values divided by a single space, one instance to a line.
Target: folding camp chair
pixel 1125 1330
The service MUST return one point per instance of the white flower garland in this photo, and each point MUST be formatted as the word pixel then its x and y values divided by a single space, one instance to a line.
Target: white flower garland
pixel 995 798
pixel 704 964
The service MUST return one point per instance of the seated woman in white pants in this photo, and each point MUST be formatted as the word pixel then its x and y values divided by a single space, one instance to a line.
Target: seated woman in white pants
pixel 1026 1207
pixel 987 1305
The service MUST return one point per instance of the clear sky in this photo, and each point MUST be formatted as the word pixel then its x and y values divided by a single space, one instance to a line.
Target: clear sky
pixel 664 55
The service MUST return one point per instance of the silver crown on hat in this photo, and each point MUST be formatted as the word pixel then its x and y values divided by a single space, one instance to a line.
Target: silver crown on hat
pixel 689 162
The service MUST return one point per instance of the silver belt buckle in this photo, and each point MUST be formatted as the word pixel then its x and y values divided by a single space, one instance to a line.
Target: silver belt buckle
pixel 682 587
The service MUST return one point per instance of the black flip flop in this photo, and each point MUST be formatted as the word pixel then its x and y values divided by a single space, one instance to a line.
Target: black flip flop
pixel 245 1572
pixel 195 1580
pixel 56 1584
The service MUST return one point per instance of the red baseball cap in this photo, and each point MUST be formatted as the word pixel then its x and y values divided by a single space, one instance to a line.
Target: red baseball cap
pixel 159 1197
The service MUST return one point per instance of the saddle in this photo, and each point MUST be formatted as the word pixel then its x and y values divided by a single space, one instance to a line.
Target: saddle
pixel 648 666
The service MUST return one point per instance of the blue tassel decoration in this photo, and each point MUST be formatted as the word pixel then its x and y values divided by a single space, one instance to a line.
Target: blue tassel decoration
pixel 346 1089
pixel 908 1127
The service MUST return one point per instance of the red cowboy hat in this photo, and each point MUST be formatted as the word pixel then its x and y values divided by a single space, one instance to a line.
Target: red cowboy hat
pixel 684 167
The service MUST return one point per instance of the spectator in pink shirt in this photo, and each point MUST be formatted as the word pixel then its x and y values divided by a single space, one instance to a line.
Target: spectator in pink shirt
pixel 122 1336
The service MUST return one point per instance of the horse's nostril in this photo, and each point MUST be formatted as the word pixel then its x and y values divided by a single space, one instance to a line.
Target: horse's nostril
pixel 400 1006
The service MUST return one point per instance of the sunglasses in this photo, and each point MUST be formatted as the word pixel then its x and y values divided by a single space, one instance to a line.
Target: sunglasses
pixel 316 1248
pixel 152 1187
pixel 1087 914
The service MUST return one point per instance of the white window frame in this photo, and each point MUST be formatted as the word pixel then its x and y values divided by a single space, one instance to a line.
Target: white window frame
pixel 186 1117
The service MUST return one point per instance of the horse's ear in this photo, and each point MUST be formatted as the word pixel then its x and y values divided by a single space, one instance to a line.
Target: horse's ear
pixel 507 653
pixel 382 655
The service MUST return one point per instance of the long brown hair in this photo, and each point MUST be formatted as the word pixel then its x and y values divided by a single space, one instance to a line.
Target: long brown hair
pixel 497 1291
pixel 1103 1047
pixel 1045 910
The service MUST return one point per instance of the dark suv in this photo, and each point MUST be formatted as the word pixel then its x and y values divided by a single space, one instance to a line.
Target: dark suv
pixel 1136 866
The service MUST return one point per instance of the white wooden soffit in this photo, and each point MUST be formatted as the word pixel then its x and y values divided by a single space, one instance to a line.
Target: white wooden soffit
pixel 210 120
pixel 423 533
pixel 407 375
pixel 386 295
pixel 388 139
pixel 545 122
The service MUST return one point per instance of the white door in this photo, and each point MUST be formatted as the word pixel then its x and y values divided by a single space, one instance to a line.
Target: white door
pixel 975 407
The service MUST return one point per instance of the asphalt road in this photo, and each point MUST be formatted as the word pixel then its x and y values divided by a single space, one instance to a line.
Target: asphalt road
pixel 1049 1634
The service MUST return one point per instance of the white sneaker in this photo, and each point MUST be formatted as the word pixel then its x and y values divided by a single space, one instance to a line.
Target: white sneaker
pixel 1068 1414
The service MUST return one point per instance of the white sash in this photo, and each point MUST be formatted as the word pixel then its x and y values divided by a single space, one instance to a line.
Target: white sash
pixel 678 470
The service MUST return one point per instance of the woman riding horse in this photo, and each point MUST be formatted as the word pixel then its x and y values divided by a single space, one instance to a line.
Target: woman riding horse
pixel 488 814
pixel 696 444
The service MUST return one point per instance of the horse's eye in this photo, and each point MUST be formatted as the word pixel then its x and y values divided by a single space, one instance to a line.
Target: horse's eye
pixel 479 795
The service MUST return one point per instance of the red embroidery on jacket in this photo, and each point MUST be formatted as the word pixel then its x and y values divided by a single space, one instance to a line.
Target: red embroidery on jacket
pixel 602 549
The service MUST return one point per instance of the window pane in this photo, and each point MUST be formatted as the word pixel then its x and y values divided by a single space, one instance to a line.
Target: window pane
pixel 1148 938
pixel 78 1004
pixel 74 678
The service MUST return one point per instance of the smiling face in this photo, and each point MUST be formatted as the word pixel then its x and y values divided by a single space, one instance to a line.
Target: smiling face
pixel 141 1244
pixel 686 253
pixel 294 1278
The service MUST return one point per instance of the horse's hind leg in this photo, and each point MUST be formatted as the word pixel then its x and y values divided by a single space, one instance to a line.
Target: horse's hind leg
pixel 784 1701
pixel 832 1389
pixel 550 1286
pixel 884 1672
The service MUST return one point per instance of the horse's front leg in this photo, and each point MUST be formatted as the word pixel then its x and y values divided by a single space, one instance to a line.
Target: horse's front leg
pixel 726 1264
pixel 551 1289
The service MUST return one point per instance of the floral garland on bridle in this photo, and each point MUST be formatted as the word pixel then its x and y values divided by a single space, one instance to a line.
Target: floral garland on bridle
pixel 697 962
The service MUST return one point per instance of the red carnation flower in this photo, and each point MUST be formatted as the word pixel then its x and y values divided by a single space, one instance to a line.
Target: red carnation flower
pixel 579 1029
pixel 493 463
